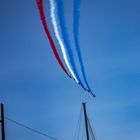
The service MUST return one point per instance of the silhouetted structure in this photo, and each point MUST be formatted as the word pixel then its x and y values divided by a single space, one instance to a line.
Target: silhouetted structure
pixel 89 131
pixel 2 122
pixel 86 122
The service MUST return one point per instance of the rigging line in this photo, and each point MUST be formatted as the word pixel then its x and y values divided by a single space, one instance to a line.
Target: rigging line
pixel 79 129
pixel 59 39
pixel 91 130
pixel 31 129
pixel 78 123
pixel 90 127
pixel 83 131
pixel 52 44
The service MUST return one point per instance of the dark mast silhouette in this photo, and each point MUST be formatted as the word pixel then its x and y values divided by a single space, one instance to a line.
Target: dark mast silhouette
pixel 84 130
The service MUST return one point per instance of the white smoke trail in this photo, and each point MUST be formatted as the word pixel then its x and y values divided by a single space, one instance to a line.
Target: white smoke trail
pixel 54 23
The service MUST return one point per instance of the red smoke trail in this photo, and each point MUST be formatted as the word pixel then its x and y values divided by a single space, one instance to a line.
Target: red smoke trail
pixel 42 16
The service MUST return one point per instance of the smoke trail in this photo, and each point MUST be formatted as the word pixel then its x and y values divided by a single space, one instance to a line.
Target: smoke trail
pixel 42 16
pixel 65 36
pixel 57 34
pixel 76 16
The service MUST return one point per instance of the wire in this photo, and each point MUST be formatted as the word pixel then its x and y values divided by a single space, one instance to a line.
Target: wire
pixel 78 124
pixel 83 131
pixel 91 130
pixel 90 127
pixel 31 129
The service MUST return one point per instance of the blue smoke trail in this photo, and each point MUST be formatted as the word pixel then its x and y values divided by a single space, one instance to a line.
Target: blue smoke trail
pixel 61 18
pixel 76 17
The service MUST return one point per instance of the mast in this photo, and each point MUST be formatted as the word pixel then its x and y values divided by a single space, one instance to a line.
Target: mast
pixel 86 120
pixel 2 123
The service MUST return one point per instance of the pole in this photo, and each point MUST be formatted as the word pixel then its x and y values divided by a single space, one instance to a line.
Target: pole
pixel 86 123
pixel 2 123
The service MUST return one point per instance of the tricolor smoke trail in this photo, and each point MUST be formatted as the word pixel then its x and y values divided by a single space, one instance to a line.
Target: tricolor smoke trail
pixel 64 40
pixel 65 36
pixel 76 16
pixel 57 34
pixel 42 16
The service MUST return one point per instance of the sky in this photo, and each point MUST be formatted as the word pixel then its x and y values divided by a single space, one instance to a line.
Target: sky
pixel 36 92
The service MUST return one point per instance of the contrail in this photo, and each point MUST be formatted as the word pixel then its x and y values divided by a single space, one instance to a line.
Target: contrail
pixel 65 36
pixel 42 17
pixel 57 34
pixel 76 16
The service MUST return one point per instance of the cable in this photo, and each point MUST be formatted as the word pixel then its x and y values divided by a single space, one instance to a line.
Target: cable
pixel 78 125
pixel 31 129
pixel 91 130
pixel 83 131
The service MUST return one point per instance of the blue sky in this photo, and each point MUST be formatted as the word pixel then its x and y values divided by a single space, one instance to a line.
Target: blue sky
pixel 35 90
